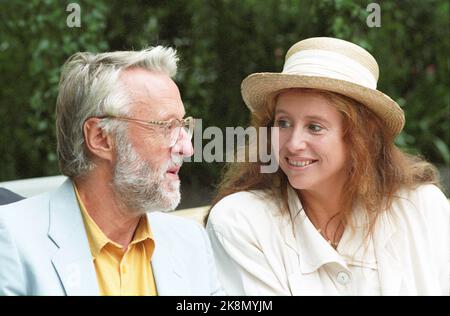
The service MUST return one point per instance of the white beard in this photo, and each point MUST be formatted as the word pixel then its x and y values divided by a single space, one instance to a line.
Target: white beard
pixel 141 187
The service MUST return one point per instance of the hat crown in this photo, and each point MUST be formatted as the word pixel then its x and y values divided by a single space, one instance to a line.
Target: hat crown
pixel 332 58
pixel 328 64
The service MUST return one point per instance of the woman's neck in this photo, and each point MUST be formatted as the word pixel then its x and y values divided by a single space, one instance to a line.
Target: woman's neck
pixel 324 211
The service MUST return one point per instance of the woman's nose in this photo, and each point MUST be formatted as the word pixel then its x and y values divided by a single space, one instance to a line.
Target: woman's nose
pixel 297 140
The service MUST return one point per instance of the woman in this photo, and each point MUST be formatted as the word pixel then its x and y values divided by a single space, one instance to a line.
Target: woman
pixel 347 213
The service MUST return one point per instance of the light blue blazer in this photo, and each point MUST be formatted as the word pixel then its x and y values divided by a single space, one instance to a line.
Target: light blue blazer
pixel 44 250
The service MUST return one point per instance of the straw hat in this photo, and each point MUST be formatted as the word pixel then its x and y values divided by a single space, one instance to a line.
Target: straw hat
pixel 328 64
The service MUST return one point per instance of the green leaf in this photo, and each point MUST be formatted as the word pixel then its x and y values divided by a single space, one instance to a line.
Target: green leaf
pixel 442 147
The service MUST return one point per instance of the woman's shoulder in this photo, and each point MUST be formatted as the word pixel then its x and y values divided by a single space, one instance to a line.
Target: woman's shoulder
pixel 426 199
pixel 241 206
pixel 423 193
pixel 253 196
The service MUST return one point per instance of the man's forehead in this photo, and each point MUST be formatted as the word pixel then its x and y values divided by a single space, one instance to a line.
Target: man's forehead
pixel 153 94
pixel 160 111
pixel 142 82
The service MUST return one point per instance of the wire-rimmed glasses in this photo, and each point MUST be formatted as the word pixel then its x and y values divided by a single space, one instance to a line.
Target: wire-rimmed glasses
pixel 172 128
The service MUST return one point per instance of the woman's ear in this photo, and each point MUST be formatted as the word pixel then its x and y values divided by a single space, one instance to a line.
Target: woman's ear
pixel 99 144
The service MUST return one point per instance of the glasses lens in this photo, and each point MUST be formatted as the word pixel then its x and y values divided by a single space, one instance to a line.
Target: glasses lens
pixel 189 126
pixel 175 129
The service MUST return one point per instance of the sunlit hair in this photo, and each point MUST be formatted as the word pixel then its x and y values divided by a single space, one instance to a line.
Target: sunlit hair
pixel 377 168
pixel 90 86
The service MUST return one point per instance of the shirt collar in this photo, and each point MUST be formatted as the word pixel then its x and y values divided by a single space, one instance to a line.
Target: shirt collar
pixel 143 231
pixel 98 240
pixel 314 251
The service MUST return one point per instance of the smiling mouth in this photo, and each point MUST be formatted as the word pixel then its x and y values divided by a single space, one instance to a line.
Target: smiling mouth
pixel 303 163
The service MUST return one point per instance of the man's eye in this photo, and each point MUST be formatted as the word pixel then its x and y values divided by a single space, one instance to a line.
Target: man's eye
pixel 315 128
pixel 282 123
pixel 172 125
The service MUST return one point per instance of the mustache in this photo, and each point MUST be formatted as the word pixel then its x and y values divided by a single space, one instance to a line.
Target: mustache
pixel 177 161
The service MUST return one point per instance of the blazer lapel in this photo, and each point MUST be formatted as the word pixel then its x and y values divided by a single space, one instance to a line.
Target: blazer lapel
pixel 72 260
pixel 168 270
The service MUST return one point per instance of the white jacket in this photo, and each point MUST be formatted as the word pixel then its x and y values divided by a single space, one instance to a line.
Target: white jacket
pixel 257 254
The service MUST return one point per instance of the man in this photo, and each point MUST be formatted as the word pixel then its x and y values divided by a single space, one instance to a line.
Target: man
pixel 7 196
pixel 121 141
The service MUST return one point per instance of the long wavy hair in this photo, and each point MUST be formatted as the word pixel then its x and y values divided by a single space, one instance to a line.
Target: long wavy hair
pixel 378 169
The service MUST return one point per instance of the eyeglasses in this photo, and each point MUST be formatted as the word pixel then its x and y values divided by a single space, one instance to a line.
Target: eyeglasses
pixel 171 128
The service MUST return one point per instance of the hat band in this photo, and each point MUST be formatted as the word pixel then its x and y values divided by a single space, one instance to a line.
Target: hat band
pixel 315 62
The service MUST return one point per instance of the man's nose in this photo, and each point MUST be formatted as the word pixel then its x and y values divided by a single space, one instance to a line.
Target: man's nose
pixel 183 146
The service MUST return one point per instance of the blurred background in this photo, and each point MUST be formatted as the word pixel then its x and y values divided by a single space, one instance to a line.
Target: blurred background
pixel 220 42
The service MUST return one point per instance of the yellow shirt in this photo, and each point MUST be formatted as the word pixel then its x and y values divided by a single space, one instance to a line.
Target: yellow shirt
pixel 119 272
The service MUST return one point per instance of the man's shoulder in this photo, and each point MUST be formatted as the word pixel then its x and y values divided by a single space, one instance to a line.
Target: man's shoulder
pixel 172 220
pixel 25 221
pixel 24 210
pixel 184 236
pixel 174 226
pixel 38 203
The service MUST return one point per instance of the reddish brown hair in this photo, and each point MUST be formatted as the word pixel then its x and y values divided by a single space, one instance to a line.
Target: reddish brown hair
pixel 378 169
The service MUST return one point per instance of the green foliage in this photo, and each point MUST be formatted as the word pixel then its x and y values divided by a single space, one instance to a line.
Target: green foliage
pixel 35 42
pixel 220 42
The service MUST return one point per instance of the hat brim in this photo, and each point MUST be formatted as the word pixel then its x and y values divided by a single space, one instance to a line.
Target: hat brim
pixel 257 88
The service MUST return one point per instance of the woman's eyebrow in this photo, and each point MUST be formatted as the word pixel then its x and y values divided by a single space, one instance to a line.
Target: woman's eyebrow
pixel 307 117
pixel 281 112
pixel 317 118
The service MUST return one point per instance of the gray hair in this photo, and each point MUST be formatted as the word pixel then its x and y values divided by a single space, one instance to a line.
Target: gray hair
pixel 90 86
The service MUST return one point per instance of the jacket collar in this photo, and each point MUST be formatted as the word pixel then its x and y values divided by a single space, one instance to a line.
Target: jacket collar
pixel 305 235
pixel 386 242
pixel 72 260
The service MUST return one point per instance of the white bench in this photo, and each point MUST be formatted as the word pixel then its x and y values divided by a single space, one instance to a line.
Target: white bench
pixel 34 186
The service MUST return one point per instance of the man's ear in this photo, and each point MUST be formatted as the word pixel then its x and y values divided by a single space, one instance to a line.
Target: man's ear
pixel 99 144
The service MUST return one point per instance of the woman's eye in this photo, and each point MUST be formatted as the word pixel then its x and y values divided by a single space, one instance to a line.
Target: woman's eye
pixel 282 123
pixel 315 128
